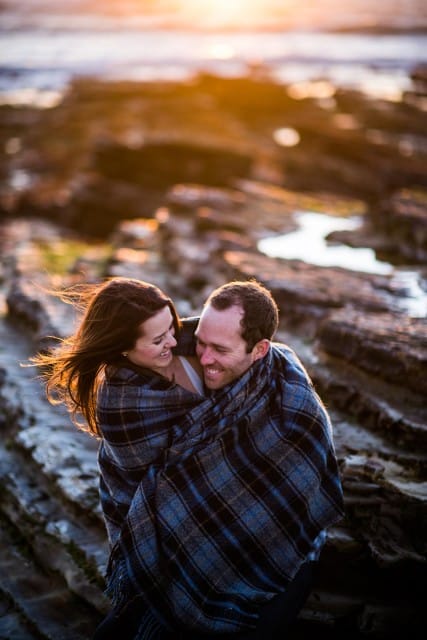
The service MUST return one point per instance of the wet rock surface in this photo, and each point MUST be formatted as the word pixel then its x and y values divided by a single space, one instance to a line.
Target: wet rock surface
pixel 85 218
pixel 394 349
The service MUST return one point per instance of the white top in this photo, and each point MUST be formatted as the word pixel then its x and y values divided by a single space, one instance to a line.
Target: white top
pixel 195 379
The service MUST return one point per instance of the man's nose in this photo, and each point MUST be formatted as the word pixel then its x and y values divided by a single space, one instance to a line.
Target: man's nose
pixel 205 356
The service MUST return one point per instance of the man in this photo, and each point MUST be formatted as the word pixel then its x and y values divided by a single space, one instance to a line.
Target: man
pixel 235 330
pixel 223 530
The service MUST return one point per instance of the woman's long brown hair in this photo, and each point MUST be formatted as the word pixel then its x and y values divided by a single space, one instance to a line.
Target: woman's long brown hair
pixel 113 313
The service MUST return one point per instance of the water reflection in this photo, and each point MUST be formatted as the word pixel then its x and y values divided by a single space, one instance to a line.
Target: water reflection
pixel 286 137
pixel 45 57
pixel 311 89
pixel 415 304
pixel 20 180
pixel 308 243
pixel 33 97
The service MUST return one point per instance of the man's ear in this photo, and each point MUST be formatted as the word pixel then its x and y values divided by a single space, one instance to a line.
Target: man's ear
pixel 260 349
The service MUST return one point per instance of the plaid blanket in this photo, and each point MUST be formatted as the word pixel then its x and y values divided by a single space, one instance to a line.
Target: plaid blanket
pixel 213 504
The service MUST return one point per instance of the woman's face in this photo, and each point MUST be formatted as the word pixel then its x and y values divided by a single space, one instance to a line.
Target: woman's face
pixel 153 348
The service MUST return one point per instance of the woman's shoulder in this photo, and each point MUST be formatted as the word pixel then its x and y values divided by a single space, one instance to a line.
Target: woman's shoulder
pixel 194 363
pixel 193 377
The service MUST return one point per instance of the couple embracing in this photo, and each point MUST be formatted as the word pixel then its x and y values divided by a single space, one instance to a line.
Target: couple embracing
pixel 218 475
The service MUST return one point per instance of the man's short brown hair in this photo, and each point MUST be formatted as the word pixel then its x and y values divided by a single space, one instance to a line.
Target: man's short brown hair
pixel 260 313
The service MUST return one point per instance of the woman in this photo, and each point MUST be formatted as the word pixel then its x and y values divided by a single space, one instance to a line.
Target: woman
pixel 114 372
pixel 127 324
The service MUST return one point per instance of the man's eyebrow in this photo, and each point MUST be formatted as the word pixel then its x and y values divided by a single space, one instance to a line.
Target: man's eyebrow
pixel 215 345
pixel 224 347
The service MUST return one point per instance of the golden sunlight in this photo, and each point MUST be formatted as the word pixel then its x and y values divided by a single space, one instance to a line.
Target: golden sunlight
pixel 221 51
pixel 287 137
pixel 232 13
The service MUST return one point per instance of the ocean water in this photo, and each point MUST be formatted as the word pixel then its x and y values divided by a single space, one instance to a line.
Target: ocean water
pixel 372 47
pixel 44 45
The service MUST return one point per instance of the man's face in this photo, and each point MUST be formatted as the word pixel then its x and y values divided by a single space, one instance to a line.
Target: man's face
pixel 221 348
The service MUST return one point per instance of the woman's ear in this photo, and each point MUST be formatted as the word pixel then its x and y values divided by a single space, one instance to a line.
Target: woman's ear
pixel 261 349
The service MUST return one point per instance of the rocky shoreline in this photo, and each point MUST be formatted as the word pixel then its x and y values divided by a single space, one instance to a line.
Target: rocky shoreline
pixel 176 184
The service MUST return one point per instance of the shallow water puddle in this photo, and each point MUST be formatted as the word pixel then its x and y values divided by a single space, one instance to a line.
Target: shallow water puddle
pixel 308 243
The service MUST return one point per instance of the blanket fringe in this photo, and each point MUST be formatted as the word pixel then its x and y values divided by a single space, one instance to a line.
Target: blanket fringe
pixel 118 588
pixel 119 591
pixel 150 628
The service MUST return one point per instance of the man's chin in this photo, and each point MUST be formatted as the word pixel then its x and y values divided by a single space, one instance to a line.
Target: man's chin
pixel 213 383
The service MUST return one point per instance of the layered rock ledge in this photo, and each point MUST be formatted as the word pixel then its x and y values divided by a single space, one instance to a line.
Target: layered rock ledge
pixel 88 216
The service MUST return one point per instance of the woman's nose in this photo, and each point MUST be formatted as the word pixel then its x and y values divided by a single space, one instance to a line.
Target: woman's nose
pixel 171 341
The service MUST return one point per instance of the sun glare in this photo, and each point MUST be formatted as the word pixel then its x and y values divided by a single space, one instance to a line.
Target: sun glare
pixel 230 12
pixel 221 51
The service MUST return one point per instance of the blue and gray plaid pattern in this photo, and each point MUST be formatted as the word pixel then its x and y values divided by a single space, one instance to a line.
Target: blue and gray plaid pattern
pixel 212 505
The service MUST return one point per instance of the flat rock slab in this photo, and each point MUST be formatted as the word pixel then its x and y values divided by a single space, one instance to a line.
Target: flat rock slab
pixel 44 599
pixel 312 290
pixel 391 347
